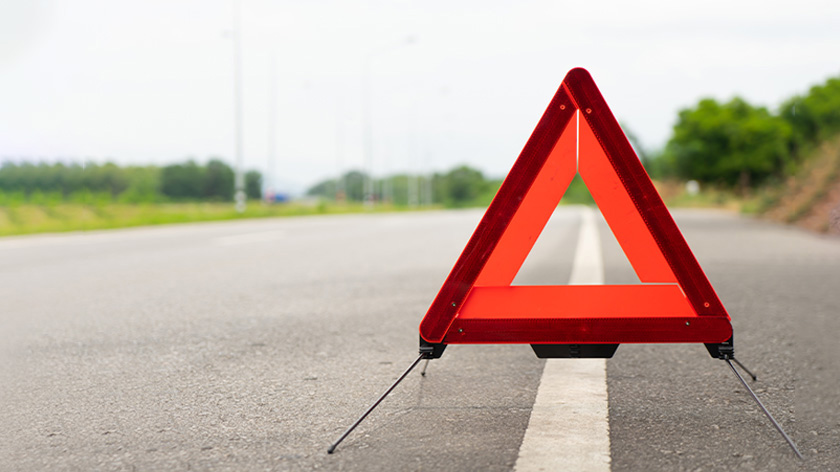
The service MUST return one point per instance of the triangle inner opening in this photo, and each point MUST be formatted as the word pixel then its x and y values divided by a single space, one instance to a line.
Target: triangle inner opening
pixel 552 259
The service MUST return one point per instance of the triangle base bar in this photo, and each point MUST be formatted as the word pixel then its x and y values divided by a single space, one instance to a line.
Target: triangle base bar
pixel 694 329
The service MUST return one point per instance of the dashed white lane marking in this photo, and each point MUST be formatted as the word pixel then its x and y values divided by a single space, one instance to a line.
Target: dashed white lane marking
pixel 249 238
pixel 569 424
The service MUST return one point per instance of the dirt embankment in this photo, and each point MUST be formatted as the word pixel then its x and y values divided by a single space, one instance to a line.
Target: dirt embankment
pixel 811 199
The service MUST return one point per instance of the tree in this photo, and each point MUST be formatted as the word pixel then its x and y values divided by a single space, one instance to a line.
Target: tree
pixel 253 184
pixel 218 181
pixel 814 116
pixel 731 143
pixel 462 185
pixel 182 181
pixel 353 183
pixel 143 185
pixel 324 189
pixel 106 178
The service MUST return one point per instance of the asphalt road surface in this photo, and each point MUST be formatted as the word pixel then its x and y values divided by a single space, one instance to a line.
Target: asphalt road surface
pixel 252 345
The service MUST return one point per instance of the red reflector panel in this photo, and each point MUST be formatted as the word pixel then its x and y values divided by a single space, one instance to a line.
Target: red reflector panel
pixel 638 186
pixel 497 218
pixel 618 209
pixel 576 301
pixel 534 212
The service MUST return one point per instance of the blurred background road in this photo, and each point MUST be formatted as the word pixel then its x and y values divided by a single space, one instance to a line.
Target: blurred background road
pixel 252 345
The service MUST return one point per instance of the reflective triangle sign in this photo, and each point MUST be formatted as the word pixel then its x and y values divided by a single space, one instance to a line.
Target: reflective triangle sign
pixel 675 303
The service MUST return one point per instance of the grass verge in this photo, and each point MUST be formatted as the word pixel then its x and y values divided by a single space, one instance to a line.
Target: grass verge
pixel 28 218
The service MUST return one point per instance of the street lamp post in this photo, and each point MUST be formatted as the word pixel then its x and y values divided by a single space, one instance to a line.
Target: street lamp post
pixel 366 117
pixel 368 133
pixel 239 179
pixel 272 127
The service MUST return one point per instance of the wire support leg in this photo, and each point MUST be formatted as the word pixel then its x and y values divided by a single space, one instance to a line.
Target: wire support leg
pixel 745 369
pixel 375 404
pixel 423 370
pixel 767 413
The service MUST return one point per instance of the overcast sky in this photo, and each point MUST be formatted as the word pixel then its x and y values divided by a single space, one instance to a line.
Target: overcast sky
pixel 140 82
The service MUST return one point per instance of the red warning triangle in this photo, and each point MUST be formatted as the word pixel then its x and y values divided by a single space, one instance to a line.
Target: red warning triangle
pixel 674 302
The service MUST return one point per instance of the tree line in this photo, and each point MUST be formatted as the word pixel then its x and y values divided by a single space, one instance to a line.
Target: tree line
pixel 461 186
pixel 730 144
pixel 739 145
pixel 733 144
pixel 57 182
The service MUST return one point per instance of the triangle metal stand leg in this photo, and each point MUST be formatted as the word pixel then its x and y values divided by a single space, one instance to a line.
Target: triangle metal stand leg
pixel 423 370
pixel 375 404
pixel 761 405
pixel 744 368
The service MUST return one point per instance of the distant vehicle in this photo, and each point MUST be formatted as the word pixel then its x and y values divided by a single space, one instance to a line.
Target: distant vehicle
pixel 272 197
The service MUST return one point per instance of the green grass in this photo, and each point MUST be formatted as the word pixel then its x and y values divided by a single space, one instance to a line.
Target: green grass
pixel 19 216
pixel 796 198
pixel 29 218
pixel 708 198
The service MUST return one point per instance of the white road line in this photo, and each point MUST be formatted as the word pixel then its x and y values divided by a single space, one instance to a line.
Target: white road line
pixel 569 425
pixel 249 238
pixel 588 267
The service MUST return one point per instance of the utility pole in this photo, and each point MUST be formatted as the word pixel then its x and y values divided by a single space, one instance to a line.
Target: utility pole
pixel 239 179
pixel 368 133
pixel 272 127
pixel 340 183
pixel 366 118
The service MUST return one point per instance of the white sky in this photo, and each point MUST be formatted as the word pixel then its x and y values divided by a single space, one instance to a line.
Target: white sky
pixel 152 81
